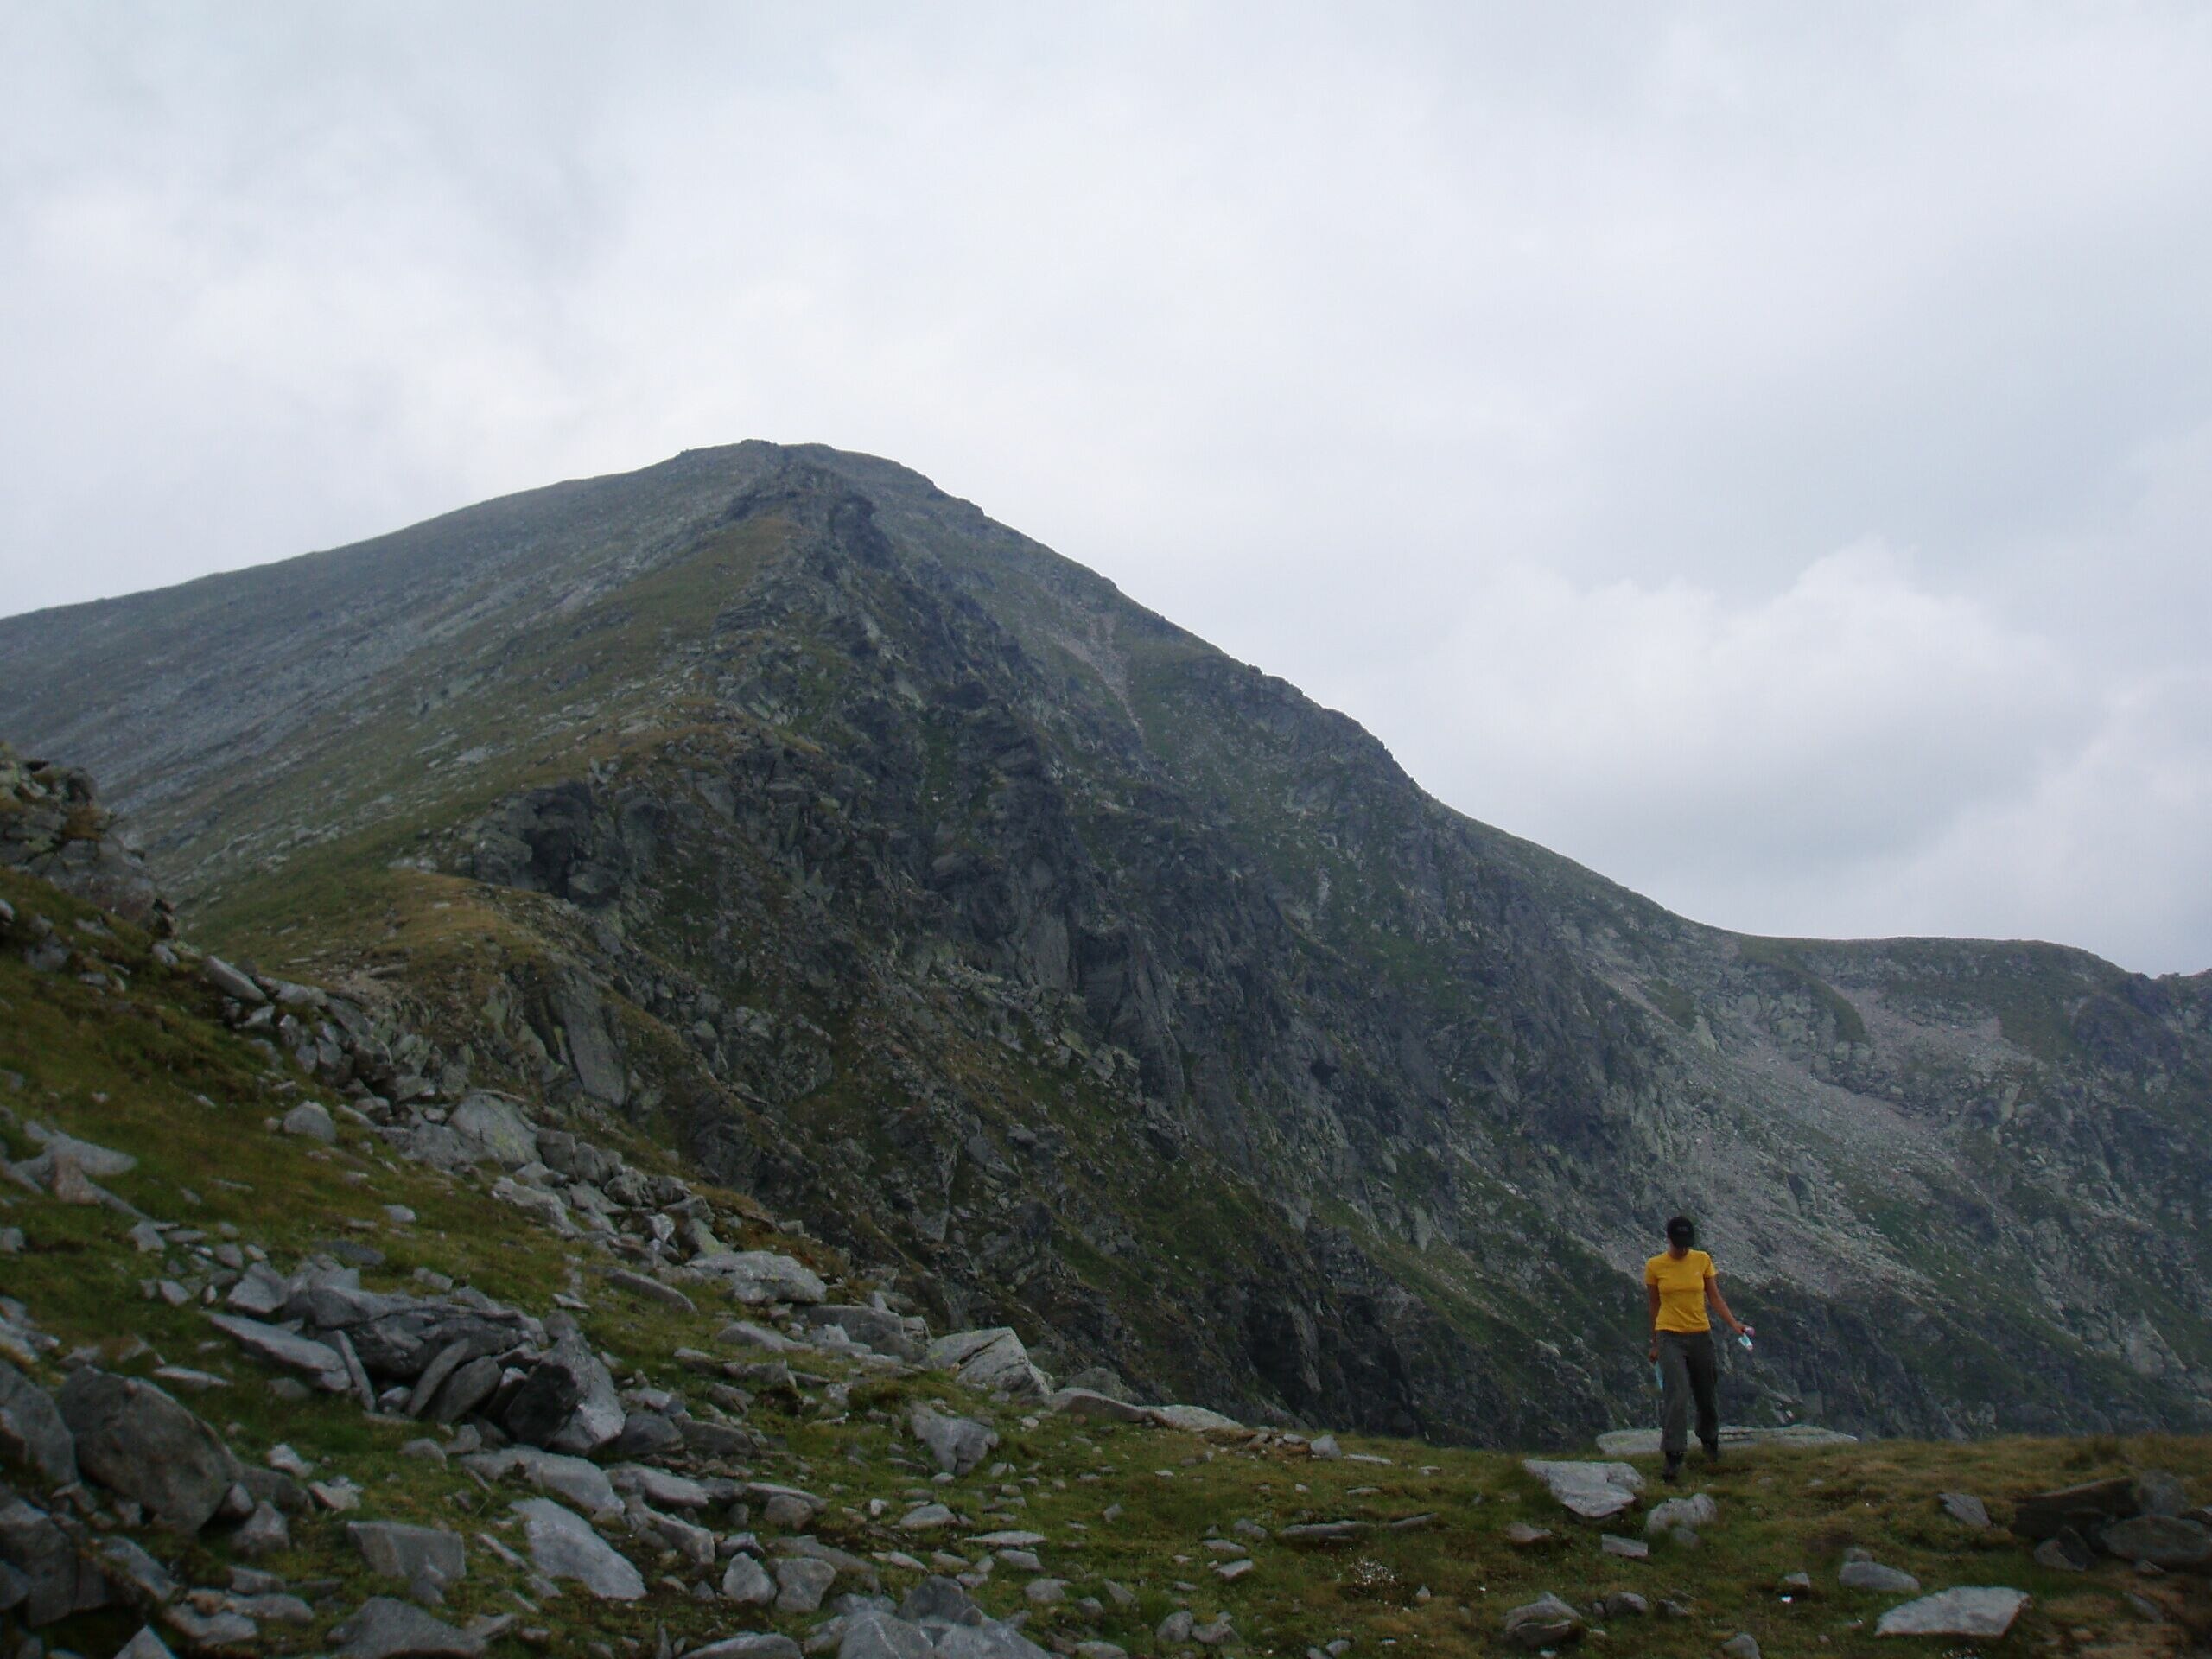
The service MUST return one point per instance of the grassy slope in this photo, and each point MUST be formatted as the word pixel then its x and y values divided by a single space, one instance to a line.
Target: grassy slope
pixel 149 1071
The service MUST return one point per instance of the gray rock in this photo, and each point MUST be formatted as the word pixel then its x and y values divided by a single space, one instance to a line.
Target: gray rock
pixel 1191 1419
pixel 652 1290
pixel 745 1582
pixel 1873 1575
pixel 140 1579
pixel 1742 1645
pixel 1216 1632
pixel 1624 1604
pixel 400 1551
pixel 582 1483
pixel 135 1439
pixel 260 1293
pixel 383 1628
pixel 469 1387
pixel 661 1488
pixel 1984 1611
pixel 2166 1541
pixel 748 1644
pixel 1175 1630
pixel 759 1277
pixel 647 1434
pixel 2158 1492
pixel 1965 1509
pixel 311 1121
pixel 563 1546
pixel 1696 1510
pixel 958 1444
pixel 1630 1549
pixel 1545 1622
pixel 1045 1592
pixel 2085 1508
pixel 1324 1446
pixel 231 983
pixel 144 1645
pixel 319 1362
pixel 54 1582
pixel 927 1517
pixel 992 1359
pixel 213 1631
pixel 568 1403
pixel 1595 1491
pixel 494 1130
pixel 262 1533
pixel 879 1329
pixel 939 1600
pixel 31 1428
pixel 879 1636
pixel 2067 1551
pixel 801 1584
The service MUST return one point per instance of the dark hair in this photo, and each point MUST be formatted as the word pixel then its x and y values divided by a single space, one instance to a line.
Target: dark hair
pixel 1681 1231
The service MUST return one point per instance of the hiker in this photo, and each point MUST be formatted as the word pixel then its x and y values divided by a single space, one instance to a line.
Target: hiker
pixel 1679 1283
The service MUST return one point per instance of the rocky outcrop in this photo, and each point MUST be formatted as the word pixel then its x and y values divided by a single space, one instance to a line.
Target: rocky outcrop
pixel 53 826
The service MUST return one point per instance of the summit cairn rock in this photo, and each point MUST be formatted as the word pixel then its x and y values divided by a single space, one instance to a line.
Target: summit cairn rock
pixel 1595 1491
pixel 1983 1611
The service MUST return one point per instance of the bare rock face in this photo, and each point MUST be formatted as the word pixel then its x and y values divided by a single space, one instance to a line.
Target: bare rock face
pixel 135 1439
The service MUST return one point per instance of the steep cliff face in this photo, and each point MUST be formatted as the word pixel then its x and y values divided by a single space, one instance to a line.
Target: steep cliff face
pixel 915 880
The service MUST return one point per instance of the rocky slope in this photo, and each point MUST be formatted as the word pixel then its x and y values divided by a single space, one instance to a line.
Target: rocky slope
pixel 776 806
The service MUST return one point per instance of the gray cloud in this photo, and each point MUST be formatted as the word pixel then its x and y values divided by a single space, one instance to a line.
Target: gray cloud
pixel 1765 455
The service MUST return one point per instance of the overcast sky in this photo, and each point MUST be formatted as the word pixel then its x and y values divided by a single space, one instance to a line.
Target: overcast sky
pixel 1764 452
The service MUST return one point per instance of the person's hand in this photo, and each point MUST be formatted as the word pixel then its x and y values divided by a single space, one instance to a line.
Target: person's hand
pixel 1654 1351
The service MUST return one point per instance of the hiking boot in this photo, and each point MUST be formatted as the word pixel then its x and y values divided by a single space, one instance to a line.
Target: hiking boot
pixel 1673 1471
pixel 1711 1451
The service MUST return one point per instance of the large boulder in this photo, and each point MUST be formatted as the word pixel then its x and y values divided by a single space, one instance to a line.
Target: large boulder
pixel 568 1403
pixel 2085 1508
pixel 992 1359
pixel 383 1628
pixel 31 1428
pixel 493 1128
pixel 756 1278
pixel 135 1439
pixel 2166 1541
pixel 958 1444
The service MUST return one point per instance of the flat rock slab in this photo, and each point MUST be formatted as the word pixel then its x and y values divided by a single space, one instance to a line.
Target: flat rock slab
pixel 1321 1532
pixel 1595 1491
pixel 563 1545
pixel 1644 1442
pixel 400 1551
pixel 748 1644
pixel 318 1362
pixel 134 1440
pixel 1099 1407
pixel 1545 1622
pixel 1193 1420
pixel 1986 1611
pixel 1873 1575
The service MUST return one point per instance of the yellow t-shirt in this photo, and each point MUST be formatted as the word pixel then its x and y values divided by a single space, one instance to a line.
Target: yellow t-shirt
pixel 1681 1289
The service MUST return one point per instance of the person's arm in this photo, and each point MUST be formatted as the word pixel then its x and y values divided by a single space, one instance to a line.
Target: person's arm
pixel 1719 1306
pixel 1651 1293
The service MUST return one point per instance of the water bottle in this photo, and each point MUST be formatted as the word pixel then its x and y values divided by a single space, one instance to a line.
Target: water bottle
pixel 1658 1377
pixel 1744 1336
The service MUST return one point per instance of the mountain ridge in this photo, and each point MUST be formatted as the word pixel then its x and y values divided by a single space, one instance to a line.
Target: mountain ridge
pixel 1040 832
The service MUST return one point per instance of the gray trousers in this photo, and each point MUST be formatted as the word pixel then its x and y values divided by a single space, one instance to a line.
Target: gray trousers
pixel 1690 1371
